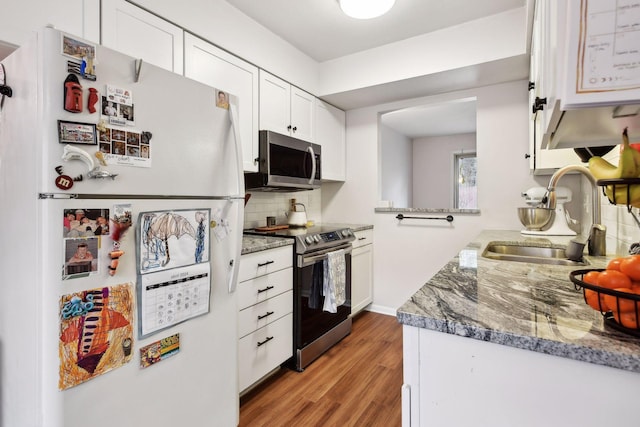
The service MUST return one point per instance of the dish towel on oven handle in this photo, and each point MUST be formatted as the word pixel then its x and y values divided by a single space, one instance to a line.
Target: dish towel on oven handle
pixel 334 282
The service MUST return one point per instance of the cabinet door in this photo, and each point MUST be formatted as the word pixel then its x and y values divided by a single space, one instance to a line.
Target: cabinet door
pixel 302 112
pixel 275 104
pixel 140 34
pixel 330 134
pixel 215 67
pixel 361 278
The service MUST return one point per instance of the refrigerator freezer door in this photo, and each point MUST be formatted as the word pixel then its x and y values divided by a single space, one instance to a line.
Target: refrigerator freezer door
pixel 192 146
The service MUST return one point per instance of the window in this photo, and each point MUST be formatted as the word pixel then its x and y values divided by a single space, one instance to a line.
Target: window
pixel 465 188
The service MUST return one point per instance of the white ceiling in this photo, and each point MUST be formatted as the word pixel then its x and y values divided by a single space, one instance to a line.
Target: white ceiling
pixel 447 118
pixel 320 29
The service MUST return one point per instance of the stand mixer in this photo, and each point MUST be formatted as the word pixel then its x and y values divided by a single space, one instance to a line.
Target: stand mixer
pixel 559 226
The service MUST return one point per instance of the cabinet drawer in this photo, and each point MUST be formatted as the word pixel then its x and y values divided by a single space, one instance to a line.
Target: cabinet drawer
pixel 265 262
pixel 260 315
pixel 363 237
pixel 262 288
pixel 263 350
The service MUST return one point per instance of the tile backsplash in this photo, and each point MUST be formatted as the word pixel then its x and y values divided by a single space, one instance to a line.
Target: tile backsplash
pixel 263 204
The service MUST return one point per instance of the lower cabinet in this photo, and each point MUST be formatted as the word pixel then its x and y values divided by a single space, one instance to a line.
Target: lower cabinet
pixel 265 313
pixel 362 271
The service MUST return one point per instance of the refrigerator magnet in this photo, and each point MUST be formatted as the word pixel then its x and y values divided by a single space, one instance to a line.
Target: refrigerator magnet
pixel 76 133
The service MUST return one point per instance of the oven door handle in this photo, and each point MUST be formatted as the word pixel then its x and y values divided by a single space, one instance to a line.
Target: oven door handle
pixel 305 261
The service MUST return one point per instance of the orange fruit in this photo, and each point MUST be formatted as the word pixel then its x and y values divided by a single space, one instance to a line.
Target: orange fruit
pixel 627 319
pixel 614 264
pixel 592 278
pixel 598 304
pixel 631 266
pixel 620 304
pixel 614 279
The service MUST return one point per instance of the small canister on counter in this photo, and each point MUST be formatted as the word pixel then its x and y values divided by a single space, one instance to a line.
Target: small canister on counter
pixel 271 221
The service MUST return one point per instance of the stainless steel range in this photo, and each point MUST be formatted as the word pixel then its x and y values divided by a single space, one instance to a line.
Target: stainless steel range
pixel 316 330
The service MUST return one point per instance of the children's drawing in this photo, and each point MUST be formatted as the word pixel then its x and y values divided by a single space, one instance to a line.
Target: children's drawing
pixel 173 239
pixel 96 333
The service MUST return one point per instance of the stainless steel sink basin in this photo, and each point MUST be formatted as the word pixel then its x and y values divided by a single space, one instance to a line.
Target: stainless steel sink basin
pixel 527 252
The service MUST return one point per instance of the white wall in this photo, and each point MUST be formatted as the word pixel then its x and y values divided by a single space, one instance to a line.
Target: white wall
pixel 396 169
pixel 408 253
pixel 448 49
pixel 433 159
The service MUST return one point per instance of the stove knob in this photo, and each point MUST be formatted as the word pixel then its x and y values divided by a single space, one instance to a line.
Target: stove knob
pixel 346 232
pixel 317 238
pixel 309 240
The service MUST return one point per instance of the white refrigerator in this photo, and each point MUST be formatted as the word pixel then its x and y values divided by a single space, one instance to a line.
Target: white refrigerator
pixel 143 332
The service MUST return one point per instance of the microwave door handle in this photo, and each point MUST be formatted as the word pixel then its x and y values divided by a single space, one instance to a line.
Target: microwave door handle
pixel 313 164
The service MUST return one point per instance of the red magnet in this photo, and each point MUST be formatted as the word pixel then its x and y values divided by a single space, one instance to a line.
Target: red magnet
pixel 93 98
pixel 72 94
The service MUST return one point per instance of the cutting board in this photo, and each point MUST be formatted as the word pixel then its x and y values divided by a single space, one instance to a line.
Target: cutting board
pixel 272 228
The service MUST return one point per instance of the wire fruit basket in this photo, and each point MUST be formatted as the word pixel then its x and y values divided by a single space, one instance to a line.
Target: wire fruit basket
pixel 622 309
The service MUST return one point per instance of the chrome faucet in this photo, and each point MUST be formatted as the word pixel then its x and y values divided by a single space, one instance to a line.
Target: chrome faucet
pixel 598 233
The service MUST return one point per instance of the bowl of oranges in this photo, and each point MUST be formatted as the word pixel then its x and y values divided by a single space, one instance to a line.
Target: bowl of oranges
pixel 614 291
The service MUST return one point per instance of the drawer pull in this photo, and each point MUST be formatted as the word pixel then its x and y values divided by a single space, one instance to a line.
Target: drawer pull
pixel 265 341
pixel 362 238
pixel 269 313
pixel 265 289
pixel 262 264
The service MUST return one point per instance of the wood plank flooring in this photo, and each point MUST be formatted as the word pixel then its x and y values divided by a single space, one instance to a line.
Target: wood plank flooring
pixel 356 383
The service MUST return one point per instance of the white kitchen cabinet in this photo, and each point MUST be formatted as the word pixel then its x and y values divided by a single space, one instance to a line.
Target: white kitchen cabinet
pixel 285 109
pixel 541 92
pixel 588 87
pixel 140 34
pixel 211 65
pixel 502 386
pixel 18 20
pixel 362 271
pixel 329 128
pixel 265 313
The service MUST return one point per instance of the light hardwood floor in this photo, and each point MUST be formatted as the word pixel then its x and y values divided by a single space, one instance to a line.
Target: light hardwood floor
pixel 356 383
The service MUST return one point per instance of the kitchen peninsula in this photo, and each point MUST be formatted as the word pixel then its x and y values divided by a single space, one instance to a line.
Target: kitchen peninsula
pixel 502 343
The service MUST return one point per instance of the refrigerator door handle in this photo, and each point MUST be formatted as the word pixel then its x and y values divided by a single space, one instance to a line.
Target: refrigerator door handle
pixel 233 114
pixel 234 264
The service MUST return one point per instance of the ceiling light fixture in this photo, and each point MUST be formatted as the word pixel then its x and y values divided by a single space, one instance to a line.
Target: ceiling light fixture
pixel 365 9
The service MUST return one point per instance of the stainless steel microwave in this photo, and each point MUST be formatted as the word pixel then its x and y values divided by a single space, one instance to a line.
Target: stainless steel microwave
pixel 285 164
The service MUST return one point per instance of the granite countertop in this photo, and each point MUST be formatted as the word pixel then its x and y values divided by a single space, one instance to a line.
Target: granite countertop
pixel 251 244
pixel 529 306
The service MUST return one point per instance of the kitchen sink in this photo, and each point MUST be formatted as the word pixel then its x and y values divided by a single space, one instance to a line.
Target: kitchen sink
pixel 523 252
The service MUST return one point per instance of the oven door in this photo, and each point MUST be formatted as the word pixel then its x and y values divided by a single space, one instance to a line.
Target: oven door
pixel 310 321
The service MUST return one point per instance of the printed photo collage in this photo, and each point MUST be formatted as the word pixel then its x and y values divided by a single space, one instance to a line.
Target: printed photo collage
pixel 124 143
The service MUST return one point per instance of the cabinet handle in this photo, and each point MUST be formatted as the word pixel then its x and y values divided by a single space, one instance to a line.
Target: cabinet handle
pixel 289 127
pixel 265 289
pixel 532 85
pixel 269 313
pixel 262 264
pixel 539 104
pixel 362 238
pixel 295 128
pixel 261 343
pixel 526 156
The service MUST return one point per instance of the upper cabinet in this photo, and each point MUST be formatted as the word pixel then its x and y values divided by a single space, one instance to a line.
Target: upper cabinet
pixel 541 92
pixel 329 132
pixel 587 72
pixel 140 34
pixel 285 109
pixel 215 67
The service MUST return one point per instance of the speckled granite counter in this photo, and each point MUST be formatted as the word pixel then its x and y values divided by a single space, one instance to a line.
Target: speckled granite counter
pixel 353 227
pixel 529 306
pixel 251 244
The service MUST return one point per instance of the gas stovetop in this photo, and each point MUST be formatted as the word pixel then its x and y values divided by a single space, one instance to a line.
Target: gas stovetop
pixel 310 239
